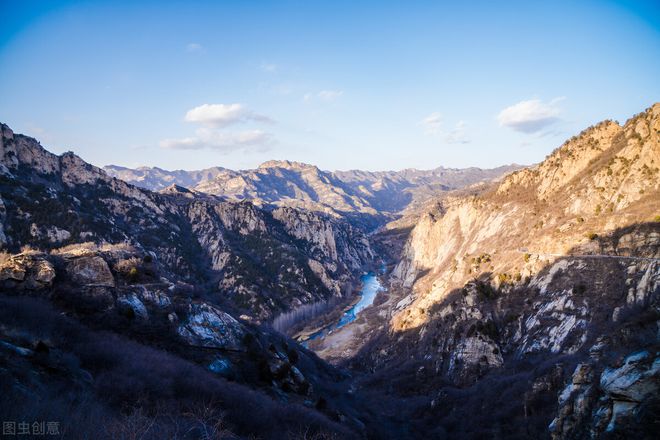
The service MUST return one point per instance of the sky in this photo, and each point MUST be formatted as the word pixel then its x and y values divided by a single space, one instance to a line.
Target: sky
pixel 374 85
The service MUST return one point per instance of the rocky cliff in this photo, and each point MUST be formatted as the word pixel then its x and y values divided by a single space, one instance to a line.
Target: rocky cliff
pixel 259 261
pixel 537 297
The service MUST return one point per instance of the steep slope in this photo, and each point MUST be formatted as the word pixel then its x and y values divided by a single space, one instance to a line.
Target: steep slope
pixel 259 261
pixel 140 312
pixel 605 178
pixel 536 299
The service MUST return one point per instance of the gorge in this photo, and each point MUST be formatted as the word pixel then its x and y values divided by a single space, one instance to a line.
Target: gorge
pixel 516 302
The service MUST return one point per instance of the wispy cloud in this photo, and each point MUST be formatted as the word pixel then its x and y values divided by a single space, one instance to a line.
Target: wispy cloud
pixel 432 123
pixel 323 95
pixel 433 126
pixel 530 116
pixel 222 115
pixel 194 48
pixel 221 141
pixel 458 134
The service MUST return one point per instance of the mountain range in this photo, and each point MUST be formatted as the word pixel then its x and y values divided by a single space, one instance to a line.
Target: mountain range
pixel 517 302
pixel 375 196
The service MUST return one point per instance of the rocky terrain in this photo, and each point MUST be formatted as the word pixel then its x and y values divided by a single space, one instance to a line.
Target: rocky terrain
pixel 367 198
pixel 148 308
pixel 259 261
pixel 536 298
pixel 524 307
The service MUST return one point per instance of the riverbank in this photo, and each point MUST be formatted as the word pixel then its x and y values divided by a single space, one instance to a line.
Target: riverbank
pixel 371 285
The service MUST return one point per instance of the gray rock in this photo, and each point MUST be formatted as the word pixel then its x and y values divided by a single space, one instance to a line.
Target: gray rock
pixel 207 326
pixel 89 271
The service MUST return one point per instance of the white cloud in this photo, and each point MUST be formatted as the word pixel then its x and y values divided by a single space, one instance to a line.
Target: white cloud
pixel 222 115
pixel 323 95
pixel 213 135
pixel 194 48
pixel 530 116
pixel 432 123
pixel 221 141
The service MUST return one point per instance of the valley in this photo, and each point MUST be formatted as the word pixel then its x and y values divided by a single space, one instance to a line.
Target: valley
pixel 514 302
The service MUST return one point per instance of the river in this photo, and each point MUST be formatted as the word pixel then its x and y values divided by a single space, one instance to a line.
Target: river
pixel 370 287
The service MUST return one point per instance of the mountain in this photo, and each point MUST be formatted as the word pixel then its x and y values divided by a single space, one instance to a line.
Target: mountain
pixel 371 197
pixel 148 308
pixel 533 301
pixel 156 179
pixel 262 262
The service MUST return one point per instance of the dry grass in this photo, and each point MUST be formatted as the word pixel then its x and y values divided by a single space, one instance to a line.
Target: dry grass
pixel 30 250
pixel 4 257
pixel 126 266
pixel 76 248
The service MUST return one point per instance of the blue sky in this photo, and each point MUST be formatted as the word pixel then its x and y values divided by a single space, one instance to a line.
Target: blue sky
pixel 371 85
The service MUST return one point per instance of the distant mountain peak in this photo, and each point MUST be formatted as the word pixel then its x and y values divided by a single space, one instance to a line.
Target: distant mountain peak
pixel 286 164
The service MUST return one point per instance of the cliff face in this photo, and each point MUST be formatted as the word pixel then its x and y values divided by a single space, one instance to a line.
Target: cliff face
pixel 259 261
pixel 606 178
pixel 549 282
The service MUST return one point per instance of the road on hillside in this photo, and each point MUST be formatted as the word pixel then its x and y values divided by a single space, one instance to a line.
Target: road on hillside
pixel 621 257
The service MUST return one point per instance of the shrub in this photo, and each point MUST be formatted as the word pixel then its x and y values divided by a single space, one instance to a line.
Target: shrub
pixel 133 274
pixel 592 235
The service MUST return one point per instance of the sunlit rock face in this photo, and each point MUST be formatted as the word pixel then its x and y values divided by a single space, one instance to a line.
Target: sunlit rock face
pixel 596 183
pixel 550 277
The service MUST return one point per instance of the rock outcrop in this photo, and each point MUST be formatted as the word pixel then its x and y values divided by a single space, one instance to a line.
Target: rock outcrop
pixel 210 327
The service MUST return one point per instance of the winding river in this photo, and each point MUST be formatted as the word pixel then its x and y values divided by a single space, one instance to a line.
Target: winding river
pixel 370 287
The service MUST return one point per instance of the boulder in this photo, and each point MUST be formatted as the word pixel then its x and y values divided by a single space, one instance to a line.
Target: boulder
pixel 28 271
pixel 90 271
pixel 207 326
pixel 637 379
pixel 132 302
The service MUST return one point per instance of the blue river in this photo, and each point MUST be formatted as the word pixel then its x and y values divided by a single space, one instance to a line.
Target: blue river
pixel 370 287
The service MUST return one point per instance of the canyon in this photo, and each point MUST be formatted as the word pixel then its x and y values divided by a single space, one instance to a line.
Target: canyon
pixel 291 302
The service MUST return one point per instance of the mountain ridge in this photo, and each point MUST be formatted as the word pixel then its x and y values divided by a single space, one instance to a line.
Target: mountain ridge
pixel 374 197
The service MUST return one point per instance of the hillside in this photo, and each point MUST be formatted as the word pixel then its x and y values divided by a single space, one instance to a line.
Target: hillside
pixel 536 298
pixel 604 179
pixel 260 262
